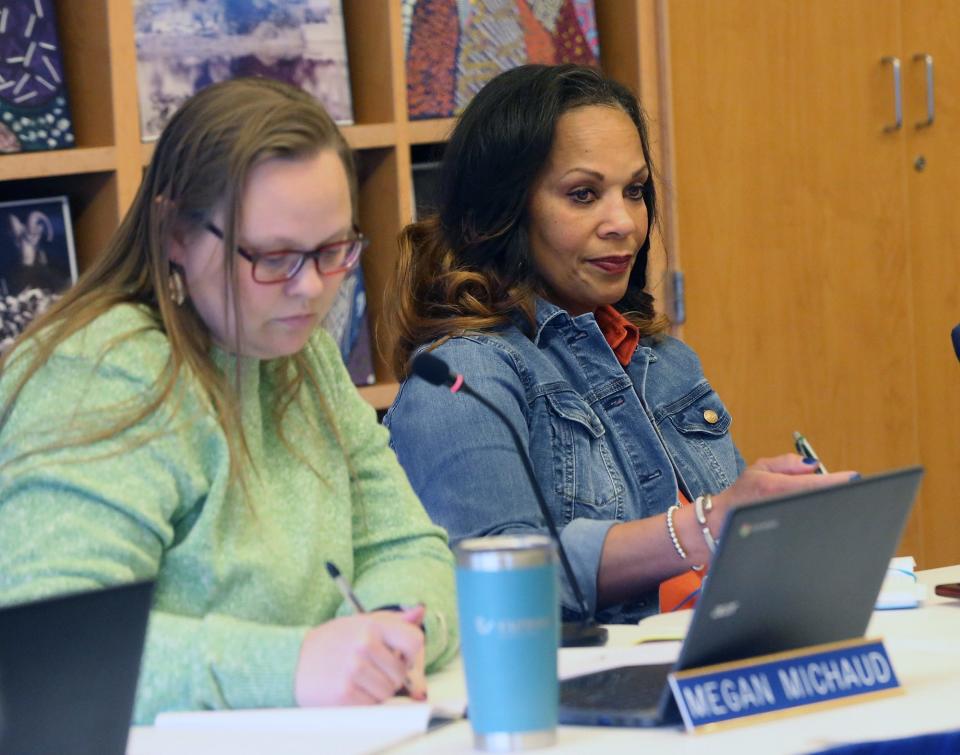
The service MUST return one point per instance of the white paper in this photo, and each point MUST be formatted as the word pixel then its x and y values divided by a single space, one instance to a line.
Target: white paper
pixel 400 716
pixel 900 588
pixel 347 729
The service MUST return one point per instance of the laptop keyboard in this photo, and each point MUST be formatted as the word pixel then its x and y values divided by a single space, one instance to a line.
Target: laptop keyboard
pixel 622 688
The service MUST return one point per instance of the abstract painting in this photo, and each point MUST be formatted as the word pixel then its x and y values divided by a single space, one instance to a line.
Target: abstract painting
pixel 184 45
pixel 34 113
pixel 454 47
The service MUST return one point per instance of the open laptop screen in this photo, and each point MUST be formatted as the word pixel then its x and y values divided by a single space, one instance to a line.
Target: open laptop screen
pixel 68 671
pixel 792 571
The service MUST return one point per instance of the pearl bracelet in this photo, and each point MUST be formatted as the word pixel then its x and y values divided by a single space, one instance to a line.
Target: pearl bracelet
pixel 703 505
pixel 672 531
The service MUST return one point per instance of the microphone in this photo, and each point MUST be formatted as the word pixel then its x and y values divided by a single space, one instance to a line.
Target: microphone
pixel 955 334
pixel 574 634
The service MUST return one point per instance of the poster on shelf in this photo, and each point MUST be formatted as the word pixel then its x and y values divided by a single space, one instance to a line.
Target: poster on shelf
pixel 454 47
pixel 348 323
pixel 37 260
pixel 34 110
pixel 185 45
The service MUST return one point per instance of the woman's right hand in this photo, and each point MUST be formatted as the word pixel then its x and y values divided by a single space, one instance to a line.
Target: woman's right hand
pixel 362 659
pixel 777 475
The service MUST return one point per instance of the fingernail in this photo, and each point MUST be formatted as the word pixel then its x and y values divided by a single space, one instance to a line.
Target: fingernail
pixel 810 460
pixel 855 476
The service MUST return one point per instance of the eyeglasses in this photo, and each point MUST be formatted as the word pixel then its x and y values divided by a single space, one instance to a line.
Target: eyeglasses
pixel 277 267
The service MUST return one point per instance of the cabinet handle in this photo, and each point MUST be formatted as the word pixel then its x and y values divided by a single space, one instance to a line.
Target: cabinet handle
pixel 928 63
pixel 894 61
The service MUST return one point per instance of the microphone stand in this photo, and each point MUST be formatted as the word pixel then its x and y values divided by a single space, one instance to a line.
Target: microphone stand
pixel 574 634
pixel 585 632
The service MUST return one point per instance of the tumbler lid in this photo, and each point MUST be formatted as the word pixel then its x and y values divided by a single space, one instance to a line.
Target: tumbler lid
pixel 500 552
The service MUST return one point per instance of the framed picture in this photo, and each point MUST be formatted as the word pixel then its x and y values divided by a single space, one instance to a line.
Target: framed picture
pixel 37 260
pixel 36 246
pixel 347 322
pixel 34 114
pixel 185 45
pixel 453 47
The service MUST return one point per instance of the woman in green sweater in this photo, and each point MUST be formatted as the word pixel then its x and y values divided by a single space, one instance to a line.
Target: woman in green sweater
pixel 180 416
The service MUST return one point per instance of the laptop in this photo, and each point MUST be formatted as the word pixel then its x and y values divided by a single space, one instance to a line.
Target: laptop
pixel 68 671
pixel 789 572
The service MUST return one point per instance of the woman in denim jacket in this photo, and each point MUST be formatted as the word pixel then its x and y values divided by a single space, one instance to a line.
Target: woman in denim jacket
pixel 531 282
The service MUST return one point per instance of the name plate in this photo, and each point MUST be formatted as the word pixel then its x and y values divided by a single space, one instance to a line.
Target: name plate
pixel 782 684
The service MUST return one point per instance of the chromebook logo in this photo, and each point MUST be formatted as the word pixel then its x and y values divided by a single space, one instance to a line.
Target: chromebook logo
pixel 753 528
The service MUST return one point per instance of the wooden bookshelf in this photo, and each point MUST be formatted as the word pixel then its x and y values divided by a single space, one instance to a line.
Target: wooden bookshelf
pixel 431 131
pixel 101 175
pixel 23 165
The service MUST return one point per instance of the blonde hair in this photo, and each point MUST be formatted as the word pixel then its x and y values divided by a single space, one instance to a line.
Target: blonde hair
pixel 201 164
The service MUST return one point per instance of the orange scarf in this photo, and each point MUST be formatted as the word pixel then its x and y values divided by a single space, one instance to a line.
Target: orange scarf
pixel 622 335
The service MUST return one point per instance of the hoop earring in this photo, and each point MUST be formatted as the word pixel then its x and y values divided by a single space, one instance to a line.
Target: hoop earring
pixel 176 288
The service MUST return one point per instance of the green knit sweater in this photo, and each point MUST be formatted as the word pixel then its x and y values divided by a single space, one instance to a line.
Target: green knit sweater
pixel 239 581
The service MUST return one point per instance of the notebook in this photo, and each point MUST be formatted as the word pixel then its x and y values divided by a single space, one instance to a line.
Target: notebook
pixel 791 571
pixel 68 671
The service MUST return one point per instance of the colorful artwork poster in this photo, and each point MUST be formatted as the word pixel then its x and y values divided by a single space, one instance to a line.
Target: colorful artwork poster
pixel 34 112
pixel 185 45
pixel 37 260
pixel 454 47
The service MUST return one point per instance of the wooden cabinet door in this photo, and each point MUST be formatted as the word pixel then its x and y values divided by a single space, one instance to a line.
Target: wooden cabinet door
pixel 933 180
pixel 791 204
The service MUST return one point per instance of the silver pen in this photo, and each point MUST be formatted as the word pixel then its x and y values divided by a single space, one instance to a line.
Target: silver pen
pixel 806 451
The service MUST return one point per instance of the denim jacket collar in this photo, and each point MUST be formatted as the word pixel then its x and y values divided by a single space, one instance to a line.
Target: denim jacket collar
pixel 548 313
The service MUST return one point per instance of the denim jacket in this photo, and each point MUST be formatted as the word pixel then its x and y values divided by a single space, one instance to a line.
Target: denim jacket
pixel 608 444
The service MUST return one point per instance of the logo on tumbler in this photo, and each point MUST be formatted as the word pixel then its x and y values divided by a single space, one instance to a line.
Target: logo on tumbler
pixel 511 627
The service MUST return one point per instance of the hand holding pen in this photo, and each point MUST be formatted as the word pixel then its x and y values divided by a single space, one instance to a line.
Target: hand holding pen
pixel 362 659
pixel 777 475
pixel 350 596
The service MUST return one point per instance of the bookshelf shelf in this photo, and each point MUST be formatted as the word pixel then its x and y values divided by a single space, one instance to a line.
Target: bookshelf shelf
pixel 370 135
pixel 359 136
pixel 430 131
pixel 64 162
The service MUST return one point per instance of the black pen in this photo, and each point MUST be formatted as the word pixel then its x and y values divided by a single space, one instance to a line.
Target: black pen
pixel 344 587
pixel 348 595
pixel 806 451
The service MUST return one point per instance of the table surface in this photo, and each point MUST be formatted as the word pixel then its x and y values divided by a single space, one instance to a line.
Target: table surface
pixel 923 645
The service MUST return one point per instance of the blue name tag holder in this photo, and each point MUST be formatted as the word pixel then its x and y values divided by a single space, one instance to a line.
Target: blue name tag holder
pixel 783 684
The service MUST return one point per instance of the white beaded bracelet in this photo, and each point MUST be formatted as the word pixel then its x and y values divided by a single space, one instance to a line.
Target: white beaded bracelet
pixel 702 505
pixel 672 531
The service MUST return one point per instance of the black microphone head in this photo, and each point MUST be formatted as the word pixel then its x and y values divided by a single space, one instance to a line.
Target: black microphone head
pixel 955 334
pixel 432 369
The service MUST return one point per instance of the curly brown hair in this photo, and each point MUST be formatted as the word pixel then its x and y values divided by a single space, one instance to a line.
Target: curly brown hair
pixel 468 266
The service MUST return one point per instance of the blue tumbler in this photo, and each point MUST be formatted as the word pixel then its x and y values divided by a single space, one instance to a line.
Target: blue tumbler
pixel 507 596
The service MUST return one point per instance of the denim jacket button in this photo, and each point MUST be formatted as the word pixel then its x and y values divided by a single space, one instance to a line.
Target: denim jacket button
pixel 711 416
